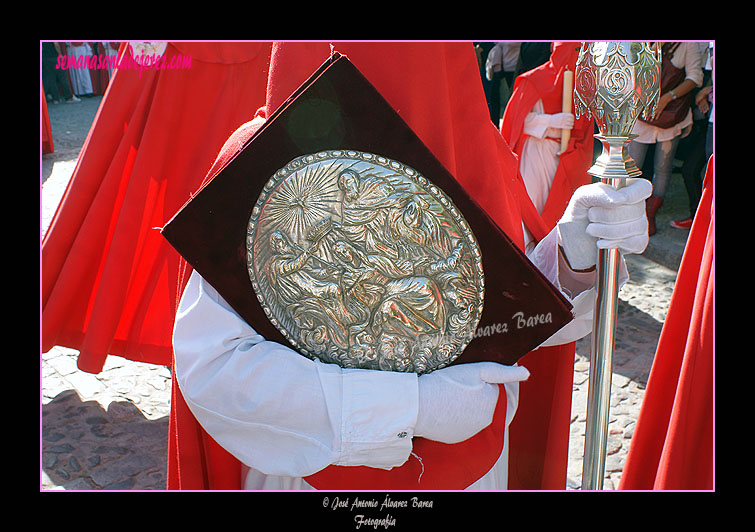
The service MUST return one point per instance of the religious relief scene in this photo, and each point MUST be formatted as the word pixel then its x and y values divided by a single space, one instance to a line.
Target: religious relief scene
pixel 361 261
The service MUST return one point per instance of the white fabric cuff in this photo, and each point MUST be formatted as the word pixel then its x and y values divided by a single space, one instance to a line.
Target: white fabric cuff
pixel 378 417
pixel 536 124
pixel 577 287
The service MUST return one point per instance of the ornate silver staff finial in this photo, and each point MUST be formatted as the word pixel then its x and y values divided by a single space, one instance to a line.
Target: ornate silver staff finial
pixel 614 82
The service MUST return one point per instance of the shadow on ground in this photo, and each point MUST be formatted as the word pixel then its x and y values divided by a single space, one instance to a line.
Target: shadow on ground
pixel 88 447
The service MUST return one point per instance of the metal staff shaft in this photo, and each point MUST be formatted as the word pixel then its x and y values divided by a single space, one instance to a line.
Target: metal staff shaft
pixel 614 83
pixel 601 364
pixel 612 167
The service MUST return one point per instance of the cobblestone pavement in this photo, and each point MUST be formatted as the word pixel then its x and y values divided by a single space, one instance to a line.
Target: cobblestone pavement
pixel 109 431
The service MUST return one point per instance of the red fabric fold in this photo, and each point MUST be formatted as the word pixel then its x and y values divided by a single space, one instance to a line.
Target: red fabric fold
pixel 110 281
pixel 539 433
pixel 48 146
pixel 672 446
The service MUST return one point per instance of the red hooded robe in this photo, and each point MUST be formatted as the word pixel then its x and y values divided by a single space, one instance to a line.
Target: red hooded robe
pixel 48 146
pixel 436 89
pixel 672 446
pixel 110 281
pixel 538 455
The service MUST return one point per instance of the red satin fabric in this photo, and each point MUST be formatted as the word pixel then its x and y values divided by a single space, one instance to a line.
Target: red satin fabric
pixel 48 146
pixel 110 281
pixel 435 87
pixel 672 446
pixel 539 433
pixel 195 460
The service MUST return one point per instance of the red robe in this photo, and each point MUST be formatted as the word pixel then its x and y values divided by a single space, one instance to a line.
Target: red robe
pixel 672 446
pixel 46 131
pixel 110 281
pixel 436 89
pixel 539 445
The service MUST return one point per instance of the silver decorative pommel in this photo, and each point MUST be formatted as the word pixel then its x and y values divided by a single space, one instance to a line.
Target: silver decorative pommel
pixel 615 83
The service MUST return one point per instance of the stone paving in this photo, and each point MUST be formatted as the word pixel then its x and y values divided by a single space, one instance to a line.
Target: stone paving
pixel 109 431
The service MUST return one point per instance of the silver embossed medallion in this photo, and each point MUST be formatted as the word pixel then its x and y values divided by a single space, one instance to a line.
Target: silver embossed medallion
pixel 361 261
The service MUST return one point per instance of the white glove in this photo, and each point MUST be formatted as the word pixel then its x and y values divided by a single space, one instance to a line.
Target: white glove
pixel 561 121
pixel 457 402
pixel 599 215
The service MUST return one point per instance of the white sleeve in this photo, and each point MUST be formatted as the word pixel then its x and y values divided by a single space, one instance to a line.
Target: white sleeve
pixel 277 411
pixel 690 60
pixel 577 287
pixel 536 123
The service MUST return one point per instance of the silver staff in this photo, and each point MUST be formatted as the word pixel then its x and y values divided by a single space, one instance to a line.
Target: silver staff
pixel 614 83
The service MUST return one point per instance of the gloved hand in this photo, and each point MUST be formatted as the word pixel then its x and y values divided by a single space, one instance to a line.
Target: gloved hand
pixel 599 215
pixel 457 402
pixel 561 121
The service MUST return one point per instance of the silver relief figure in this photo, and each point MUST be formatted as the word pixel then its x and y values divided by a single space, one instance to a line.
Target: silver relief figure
pixel 361 261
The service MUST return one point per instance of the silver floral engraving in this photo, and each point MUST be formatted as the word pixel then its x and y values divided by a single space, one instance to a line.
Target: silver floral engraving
pixel 615 82
pixel 361 261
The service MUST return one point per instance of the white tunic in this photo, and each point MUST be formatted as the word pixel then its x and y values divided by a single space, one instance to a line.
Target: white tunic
pixel 81 81
pixel 540 155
